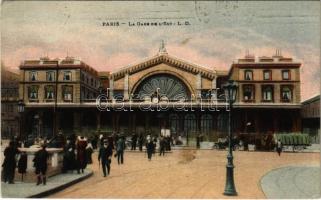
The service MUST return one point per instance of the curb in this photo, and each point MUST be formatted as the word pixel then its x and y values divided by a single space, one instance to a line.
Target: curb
pixel 61 187
pixel 279 168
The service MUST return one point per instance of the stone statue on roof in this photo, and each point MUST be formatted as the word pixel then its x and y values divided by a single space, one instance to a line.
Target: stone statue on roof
pixel 162 48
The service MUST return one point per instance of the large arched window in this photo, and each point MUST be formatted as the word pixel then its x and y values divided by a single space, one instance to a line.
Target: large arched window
pixel 165 85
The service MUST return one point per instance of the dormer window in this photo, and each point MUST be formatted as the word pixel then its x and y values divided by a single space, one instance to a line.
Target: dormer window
pixel 248 75
pixel 67 76
pixel 286 75
pixel 267 75
pixel 33 75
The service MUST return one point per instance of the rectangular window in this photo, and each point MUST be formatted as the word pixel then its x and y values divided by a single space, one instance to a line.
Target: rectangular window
pixel 248 92
pixel 286 75
pixel 33 76
pixel 267 75
pixel 286 93
pixel 67 76
pixel 248 75
pixel 67 92
pixel 33 92
pixel 50 76
pixel 49 90
pixel 267 93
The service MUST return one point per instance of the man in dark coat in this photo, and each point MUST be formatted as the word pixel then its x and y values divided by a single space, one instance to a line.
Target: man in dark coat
pixel 89 152
pixel 105 155
pixel 120 147
pixel 140 142
pixel 134 141
pixel 162 144
pixel 9 163
pixel 150 148
pixel 40 163
pixel 81 154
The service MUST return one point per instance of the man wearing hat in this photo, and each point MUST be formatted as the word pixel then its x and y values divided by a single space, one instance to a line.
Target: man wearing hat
pixel 105 155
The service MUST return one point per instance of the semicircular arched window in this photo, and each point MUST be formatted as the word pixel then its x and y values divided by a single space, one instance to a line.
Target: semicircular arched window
pixel 162 85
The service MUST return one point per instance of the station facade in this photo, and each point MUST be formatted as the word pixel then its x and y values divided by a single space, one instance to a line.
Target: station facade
pixel 62 95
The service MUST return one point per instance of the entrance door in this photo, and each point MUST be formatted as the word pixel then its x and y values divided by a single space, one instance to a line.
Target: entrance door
pixel 190 128
pixel 174 124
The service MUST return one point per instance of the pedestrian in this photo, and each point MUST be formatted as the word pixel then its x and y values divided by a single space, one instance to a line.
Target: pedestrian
pixel 89 152
pixel 198 141
pixel 279 147
pixel 134 141
pixel 40 163
pixel 22 164
pixel 69 157
pixel 81 154
pixel 9 163
pixel 150 149
pixel 101 139
pixel 140 142
pixel 105 154
pixel 167 142
pixel 162 145
pixel 94 141
pixel 60 140
pixel 155 144
pixel 120 147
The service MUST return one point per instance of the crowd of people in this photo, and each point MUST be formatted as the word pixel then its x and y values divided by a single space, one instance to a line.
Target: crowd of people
pixel 77 152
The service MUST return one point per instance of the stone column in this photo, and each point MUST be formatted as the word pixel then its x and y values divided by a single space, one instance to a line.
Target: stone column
pixel 111 88
pixel 198 85
pixel 214 91
pixel 126 82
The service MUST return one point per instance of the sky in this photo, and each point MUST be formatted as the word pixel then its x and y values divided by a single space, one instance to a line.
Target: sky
pixel 212 34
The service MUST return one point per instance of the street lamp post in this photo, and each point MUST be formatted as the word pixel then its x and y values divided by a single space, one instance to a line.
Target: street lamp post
pixel 21 109
pixel 230 90
pixel 54 127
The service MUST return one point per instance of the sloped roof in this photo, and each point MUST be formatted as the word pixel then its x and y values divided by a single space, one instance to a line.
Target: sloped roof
pixel 171 60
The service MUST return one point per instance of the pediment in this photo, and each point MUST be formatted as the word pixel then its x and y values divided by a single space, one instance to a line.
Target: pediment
pixel 166 59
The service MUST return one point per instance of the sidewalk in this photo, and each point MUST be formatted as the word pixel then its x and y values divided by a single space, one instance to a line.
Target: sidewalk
pixel 54 184
pixel 292 182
